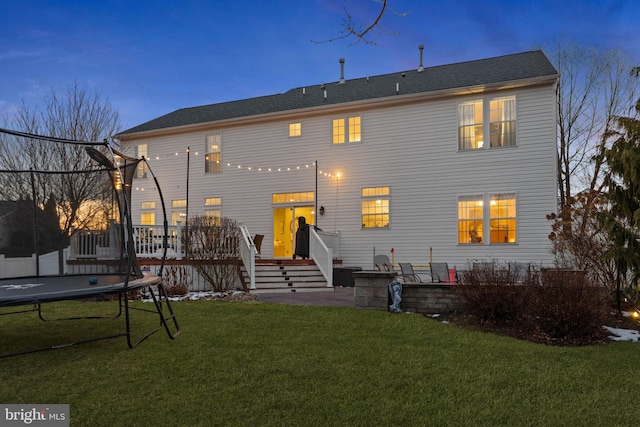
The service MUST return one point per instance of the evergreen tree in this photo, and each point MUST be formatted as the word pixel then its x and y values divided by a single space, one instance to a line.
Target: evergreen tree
pixel 623 182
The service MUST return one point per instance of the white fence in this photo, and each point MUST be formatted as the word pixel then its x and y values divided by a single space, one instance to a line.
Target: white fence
pixel 26 266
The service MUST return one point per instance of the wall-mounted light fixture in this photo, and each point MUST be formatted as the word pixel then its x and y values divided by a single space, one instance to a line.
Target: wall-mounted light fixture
pixel 321 210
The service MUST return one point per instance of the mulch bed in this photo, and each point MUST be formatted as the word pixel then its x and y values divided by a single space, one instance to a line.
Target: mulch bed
pixel 514 330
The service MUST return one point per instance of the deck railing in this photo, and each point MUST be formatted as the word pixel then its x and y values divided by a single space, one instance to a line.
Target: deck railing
pixel 147 242
pixel 322 255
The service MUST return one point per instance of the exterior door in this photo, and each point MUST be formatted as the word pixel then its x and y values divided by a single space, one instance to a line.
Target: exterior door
pixel 285 225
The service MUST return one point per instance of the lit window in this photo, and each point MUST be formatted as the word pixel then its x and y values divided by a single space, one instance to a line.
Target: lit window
pixel 502 214
pixel 213 207
pixel 295 129
pixel 147 218
pixel 470 224
pixel 338 131
pixel 354 129
pixel 141 170
pixel 179 203
pixel 501 127
pixel 292 197
pixel 375 207
pixel 213 150
pixel 347 130
pixel 178 216
pixel 147 205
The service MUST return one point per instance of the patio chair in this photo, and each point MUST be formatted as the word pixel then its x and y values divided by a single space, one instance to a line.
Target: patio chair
pixel 410 275
pixel 382 263
pixel 440 273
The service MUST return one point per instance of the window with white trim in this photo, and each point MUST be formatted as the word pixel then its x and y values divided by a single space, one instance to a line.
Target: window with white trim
pixel 470 219
pixel 213 152
pixel 502 218
pixel 375 207
pixel 295 129
pixel 501 211
pixel 148 215
pixel 179 211
pixel 213 207
pixel 347 129
pixel 148 218
pixel 473 126
pixel 141 169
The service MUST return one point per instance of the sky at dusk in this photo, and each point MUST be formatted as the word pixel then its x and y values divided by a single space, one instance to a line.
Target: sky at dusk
pixel 149 58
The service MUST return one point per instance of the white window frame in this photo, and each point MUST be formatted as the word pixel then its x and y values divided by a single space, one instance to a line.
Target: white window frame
pixel 346 129
pixel 378 194
pixel 482 126
pixel 470 235
pixel 213 147
pixel 141 169
pixel 213 207
pixel 295 129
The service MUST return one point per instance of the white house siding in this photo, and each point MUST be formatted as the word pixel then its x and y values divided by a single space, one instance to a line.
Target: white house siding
pixel 410 148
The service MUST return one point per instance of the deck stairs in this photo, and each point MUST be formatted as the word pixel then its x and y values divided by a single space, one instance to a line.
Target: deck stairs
pixel 287 275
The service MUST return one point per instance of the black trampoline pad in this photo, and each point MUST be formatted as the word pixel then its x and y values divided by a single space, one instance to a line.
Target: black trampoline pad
pixel 35 290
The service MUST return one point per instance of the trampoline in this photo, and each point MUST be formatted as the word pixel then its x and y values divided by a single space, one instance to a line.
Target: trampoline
pixel 111 173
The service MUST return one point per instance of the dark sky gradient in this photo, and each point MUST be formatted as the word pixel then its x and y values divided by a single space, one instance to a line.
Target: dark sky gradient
pixel 152 57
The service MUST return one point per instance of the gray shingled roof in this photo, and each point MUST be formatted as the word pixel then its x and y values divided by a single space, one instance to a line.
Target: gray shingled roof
pixel 507 68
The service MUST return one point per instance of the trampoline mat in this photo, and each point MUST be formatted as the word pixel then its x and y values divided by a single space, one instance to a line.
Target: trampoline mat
pixel 35 290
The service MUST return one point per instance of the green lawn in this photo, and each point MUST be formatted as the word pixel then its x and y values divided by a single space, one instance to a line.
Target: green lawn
pixel 252 363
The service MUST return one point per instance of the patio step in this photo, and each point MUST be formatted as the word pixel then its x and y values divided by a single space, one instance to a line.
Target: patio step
pixel 279 275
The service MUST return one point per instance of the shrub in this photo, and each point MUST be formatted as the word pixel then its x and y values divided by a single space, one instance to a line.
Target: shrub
pixel 488 293
pixel 554 305
pixel 567 306
pixel 176 279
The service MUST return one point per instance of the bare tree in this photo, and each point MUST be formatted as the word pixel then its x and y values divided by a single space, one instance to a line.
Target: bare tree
pixel 79 198
pixel 593 90
pixel 351 28
pixel 213 246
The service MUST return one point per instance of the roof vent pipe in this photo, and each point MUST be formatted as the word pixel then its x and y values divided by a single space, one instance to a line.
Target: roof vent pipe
pixel 342 80
pixel 421 68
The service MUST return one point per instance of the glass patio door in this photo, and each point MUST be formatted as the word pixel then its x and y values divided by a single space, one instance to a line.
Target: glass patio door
pixel 285 225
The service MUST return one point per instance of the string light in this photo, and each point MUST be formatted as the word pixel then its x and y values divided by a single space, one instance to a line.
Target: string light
pixel 255 169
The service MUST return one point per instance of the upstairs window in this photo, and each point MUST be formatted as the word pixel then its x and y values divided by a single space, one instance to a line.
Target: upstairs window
pixel 503 121
pixel 473 128
pixel 295 129
pixel 347 130
pixel 375 207
pixel 141 169
pixel 470 129
pixel 212 160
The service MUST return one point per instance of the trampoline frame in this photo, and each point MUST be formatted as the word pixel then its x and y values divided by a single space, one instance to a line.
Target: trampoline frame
pixel 167 319
pixel 133 281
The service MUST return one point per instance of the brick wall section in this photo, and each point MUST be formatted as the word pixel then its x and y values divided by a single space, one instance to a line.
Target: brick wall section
pixel 428 298
pixel 372 293
pixel 371 289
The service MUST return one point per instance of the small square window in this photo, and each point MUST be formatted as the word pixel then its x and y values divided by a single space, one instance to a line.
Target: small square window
pixel 295 129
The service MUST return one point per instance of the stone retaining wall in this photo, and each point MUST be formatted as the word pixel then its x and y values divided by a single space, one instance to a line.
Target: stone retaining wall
pixel 372 293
